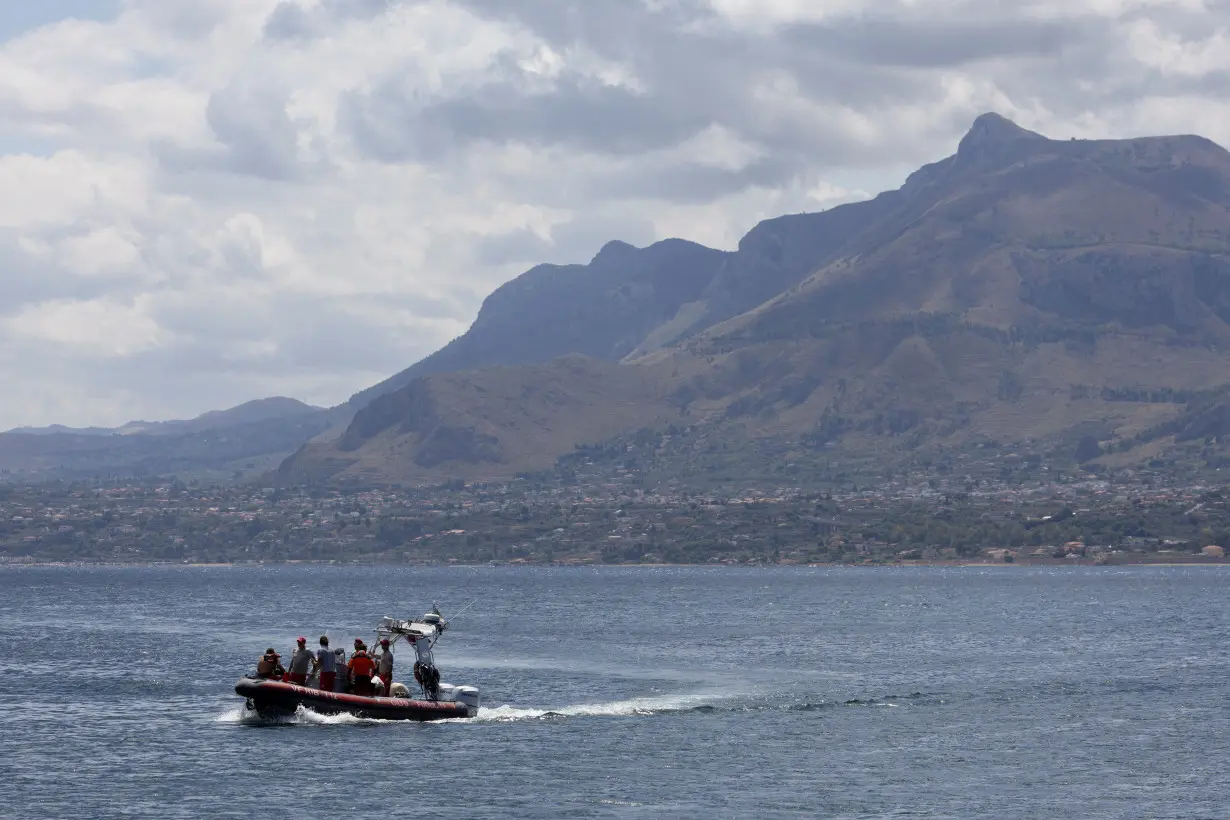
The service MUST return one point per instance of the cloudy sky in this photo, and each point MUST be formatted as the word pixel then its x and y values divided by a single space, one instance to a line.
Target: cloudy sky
pixel 208 201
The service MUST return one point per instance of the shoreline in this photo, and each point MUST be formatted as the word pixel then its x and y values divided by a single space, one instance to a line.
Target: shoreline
pixel 1196 561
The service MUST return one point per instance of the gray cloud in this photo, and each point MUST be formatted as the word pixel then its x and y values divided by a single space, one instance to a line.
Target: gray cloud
pixel 256 138
pixel 181 19
pixel 26 281
pixel 301 342
pixel 253 125
pixel 570 242
pixel 290 21
pixel 613 28
pixel 519 246
pixel 690 182
pixel 331 188
pixel 575 112
pixel 692 71
pixel 932 43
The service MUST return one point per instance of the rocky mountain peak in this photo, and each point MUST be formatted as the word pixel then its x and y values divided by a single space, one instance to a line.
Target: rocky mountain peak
pixel 994 129
pixel 613 252
pixel 991 136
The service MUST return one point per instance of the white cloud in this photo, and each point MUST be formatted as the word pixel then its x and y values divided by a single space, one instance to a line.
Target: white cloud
pixel 770 13
pixel 95 329
pixel 99 252
pixel 208 201
pixel 67 187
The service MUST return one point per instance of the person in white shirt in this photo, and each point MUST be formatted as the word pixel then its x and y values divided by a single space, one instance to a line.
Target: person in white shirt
pixel 384 664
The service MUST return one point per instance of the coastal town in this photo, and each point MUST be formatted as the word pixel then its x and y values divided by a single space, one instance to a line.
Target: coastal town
pixel 616 519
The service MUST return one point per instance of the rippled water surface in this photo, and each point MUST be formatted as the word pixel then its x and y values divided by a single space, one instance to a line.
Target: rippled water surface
pixel 674 692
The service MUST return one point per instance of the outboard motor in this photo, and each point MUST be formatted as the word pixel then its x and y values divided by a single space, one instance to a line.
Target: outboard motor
pixel 467 695
pixel 339 680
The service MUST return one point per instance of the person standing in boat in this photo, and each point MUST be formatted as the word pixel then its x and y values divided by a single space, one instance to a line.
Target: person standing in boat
pixel 326 662
pixel 361 669
pixel 384 665
pixel 300 662
pixel 347 674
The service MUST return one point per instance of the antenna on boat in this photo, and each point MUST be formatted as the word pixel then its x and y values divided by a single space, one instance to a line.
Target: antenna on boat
pixel 459 612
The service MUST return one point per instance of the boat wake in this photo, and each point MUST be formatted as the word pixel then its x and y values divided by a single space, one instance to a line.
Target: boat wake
pixel 301 717
pixel 695 704
pixel 633 707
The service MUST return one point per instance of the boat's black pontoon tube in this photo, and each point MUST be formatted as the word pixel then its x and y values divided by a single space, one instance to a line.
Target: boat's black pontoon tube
pixel 268 698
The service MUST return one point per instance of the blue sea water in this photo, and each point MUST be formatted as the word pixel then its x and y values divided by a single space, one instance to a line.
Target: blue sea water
pixel 1015 692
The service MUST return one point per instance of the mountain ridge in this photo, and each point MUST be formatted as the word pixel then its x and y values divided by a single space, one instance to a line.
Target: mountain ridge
pixel 1019 288
pixel 983 296
pixel 600 309
pixel 248 439
pixel 248 411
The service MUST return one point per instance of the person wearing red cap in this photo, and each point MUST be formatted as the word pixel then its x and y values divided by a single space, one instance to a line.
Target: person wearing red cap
pixel 300 662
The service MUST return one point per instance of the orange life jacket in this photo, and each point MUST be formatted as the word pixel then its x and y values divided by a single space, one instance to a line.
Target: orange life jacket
pixel 362 665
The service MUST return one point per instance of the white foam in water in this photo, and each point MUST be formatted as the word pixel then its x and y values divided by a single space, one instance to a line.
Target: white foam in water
pixel 308 718
pixel 618 708
pixel 302 717
pixel 242 715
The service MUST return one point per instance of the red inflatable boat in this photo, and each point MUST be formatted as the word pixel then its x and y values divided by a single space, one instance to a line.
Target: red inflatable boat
pixel 270 698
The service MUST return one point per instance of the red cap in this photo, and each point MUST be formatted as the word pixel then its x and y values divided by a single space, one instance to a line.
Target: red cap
pixel 301 640
pixel 384 641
